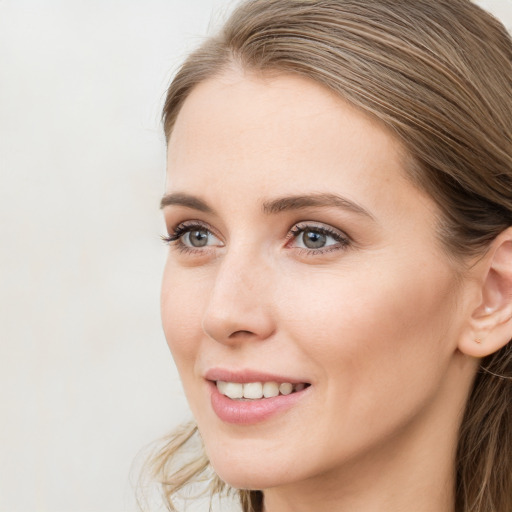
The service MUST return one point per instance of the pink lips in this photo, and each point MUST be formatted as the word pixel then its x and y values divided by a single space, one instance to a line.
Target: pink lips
pixel 247 412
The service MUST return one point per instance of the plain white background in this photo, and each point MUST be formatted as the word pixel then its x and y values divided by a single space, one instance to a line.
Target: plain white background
pixel 86 379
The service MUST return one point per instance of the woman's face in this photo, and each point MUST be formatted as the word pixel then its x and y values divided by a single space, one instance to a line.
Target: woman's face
pixel 302 255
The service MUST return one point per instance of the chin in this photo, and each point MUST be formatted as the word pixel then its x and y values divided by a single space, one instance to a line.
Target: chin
pixel 254 469
pixel 250 478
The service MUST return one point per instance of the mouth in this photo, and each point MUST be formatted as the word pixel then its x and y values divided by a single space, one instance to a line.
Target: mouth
pixel 258 390
pixel 250 396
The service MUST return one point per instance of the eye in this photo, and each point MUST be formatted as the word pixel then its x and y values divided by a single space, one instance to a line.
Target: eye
pixel 197 238
pixel 192 236
pixel 317 238
pixel 311 239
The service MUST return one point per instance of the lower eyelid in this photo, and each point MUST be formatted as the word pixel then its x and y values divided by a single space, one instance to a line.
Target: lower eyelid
pixel 312 253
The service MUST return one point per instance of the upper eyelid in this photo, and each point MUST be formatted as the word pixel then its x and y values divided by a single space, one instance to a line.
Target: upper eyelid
pixel 190 224
pixel 327 228
pixel 299 224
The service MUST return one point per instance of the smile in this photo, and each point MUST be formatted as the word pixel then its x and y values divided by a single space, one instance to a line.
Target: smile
pixel 257 390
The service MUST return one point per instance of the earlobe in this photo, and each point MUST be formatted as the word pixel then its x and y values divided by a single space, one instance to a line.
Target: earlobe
pixel 490 325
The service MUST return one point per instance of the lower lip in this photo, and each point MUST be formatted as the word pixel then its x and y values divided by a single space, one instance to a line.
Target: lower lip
pixel 249 412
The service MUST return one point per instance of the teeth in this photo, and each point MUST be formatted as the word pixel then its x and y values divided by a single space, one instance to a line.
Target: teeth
pixel 270 389
pixel 285 388
pixel 233 390
pixel 256 390
pixel 253 390
pixel 221 386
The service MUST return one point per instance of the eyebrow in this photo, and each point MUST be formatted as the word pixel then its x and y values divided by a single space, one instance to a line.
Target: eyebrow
pixel 274 206
pixel 186 200
pixel 322 200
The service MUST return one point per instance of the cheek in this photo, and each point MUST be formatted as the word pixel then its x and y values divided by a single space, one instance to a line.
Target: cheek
pixel 378 345
pixel 181 311
pixel 372 331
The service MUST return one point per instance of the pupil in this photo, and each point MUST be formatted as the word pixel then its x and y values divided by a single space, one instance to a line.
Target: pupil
pixel 198 238
pixel 314 240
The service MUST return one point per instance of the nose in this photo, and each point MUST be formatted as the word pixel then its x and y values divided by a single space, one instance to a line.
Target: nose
pixel 240 306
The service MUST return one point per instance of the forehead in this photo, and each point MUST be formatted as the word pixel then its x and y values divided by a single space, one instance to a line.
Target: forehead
pixel 260 107
pixel 267 133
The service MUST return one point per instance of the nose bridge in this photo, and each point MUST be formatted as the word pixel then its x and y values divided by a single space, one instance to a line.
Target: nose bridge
pixel 239 302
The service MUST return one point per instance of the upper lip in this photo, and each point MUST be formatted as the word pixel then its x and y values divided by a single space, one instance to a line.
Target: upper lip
pixel 247 375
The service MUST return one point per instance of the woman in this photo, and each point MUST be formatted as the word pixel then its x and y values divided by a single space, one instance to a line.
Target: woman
pixel 338 290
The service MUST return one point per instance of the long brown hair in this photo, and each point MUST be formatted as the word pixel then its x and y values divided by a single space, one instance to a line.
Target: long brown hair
pixel 438 73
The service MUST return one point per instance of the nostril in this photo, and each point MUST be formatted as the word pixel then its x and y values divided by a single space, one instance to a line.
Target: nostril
pixel 237 334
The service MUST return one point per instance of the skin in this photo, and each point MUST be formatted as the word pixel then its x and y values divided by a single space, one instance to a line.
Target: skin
pixel 372 322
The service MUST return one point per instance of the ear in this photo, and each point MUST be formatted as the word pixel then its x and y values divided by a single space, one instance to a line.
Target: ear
pixel 490 325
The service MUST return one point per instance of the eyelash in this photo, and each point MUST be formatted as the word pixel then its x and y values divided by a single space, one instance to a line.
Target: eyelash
pixel 343 241
pixel 174 239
